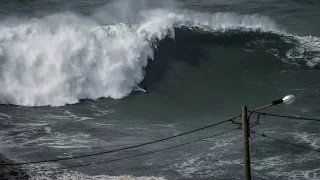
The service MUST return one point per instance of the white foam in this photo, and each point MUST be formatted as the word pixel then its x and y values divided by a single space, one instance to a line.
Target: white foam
pixel 52 171
pixel 269 162
pixel 220 143
pixel 209 164
pixel 137 88
pixel 5 116
pixel 313 174
pixel 310 138
pixel 306 49
pixel 48 130
pixel 67 115
pixel 58 59
pixel 67 141
pixel 100 112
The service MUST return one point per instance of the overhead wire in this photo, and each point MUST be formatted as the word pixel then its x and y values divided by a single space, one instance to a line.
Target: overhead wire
pixel 285 116
pixel 285 142
pixel 151 152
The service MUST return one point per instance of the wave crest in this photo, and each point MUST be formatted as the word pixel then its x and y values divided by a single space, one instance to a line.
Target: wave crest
pixel 62 58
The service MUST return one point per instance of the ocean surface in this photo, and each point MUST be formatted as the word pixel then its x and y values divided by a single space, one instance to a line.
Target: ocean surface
pixel 73 75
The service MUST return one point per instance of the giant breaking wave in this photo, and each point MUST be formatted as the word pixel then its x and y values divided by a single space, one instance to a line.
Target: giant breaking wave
pixel 62 58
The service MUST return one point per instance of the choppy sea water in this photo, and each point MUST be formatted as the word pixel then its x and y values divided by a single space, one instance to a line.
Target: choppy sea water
pixel 71 74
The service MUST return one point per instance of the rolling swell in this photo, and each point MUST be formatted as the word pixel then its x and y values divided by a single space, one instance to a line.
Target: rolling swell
pixel 227 37
pixel 62 58
pixel 289 48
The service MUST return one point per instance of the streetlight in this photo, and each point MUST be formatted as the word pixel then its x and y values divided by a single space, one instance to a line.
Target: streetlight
pixel 289 99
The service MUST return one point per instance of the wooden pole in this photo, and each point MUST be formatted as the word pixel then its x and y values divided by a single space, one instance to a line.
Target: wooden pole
pixel 245 129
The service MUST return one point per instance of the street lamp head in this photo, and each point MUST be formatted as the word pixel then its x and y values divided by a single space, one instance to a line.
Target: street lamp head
pixel 289 99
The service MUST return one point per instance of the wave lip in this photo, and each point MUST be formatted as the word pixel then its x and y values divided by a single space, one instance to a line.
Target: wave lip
pixel 226 21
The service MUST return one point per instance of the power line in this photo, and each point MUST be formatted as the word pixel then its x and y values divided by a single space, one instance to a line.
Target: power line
pixel 282 141
pixel 290 117
pixel 120 149
pixel 151 152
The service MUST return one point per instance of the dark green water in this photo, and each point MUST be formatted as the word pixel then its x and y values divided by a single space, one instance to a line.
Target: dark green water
pixel 224 54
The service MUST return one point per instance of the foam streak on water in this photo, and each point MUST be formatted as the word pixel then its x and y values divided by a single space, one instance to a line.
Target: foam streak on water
pixel 38 172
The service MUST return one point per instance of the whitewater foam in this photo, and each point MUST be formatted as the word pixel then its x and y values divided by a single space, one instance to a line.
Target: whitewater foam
pixel 308 138
pixel 307 49
pixel 62 58
pixel 50 62
pixel 52 171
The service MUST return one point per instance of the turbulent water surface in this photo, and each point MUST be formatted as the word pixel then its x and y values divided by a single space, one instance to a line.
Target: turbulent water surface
pixel 73 76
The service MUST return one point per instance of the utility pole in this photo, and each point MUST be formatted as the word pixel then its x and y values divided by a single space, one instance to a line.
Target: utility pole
pixel 289 99
pixel 245 129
